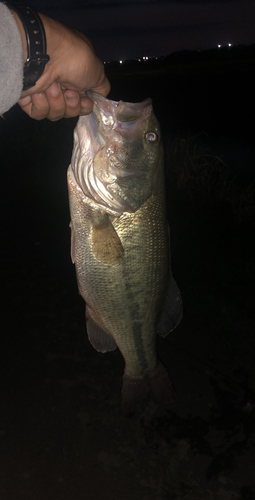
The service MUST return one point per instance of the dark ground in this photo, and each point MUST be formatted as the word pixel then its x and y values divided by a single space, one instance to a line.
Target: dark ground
pixel 62 432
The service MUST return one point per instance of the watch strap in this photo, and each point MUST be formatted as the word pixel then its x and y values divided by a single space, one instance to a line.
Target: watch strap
pixel 36 44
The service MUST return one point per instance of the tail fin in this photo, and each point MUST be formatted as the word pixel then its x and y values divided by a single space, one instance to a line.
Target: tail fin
pixel 136 391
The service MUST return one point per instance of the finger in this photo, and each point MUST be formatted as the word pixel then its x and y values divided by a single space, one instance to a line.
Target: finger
pixel 76 104
pixel 24 101
pixel 36 106
pixel 72 103
pixel 86 106
pixel 103 88
pixel 56 101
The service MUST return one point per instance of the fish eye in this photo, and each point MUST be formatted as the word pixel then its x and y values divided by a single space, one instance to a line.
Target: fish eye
pixel 151 137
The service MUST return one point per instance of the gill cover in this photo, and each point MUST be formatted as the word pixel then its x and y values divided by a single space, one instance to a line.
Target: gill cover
pixel 113 162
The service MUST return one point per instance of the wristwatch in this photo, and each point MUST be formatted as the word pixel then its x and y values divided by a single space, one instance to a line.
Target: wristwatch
pixel 37 57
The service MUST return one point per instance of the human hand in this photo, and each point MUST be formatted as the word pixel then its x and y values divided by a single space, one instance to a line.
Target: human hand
pixel 73 68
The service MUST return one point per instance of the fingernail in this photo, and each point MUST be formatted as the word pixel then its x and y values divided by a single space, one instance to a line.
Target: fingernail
pixel 54 89
pixel 86 111
pixel 72 99
pixel 86 107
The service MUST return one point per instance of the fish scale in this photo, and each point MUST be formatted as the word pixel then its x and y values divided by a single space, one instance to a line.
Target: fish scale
pixel 144 269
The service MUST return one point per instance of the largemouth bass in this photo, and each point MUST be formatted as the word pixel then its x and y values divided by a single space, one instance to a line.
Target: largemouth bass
pixel 120 241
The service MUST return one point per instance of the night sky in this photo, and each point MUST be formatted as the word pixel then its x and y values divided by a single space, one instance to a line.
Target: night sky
pixel 132 29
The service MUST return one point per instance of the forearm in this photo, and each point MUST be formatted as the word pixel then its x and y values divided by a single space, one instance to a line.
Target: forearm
pixel 11 60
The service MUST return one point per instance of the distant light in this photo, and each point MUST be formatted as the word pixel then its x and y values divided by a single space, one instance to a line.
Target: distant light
pixel 139 60
pixel 230 44
pixel 120 62
pixel 219 45
pixel 147 58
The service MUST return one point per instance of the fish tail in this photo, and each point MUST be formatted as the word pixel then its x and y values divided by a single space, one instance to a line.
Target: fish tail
pixel 136 391
pixel 161 389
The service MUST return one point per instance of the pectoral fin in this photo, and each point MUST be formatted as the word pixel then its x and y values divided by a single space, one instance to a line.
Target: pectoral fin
pixel 106 245
pixel 172 312
pixel 101 341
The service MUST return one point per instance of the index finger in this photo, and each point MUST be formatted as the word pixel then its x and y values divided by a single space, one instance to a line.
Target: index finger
pixel 103 87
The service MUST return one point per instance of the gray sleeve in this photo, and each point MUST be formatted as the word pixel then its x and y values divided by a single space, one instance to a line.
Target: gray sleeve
pixel 11 60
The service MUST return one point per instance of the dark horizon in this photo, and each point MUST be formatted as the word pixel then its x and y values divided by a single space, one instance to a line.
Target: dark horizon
pixel 186 55
pixel 121 30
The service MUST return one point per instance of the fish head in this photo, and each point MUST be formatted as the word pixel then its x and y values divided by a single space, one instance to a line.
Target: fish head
pixel 118 157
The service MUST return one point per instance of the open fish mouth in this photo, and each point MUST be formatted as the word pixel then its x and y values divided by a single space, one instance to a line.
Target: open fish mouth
pixel 111 117
pixel 97 138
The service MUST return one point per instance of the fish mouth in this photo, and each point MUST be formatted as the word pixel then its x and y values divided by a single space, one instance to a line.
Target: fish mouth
pixel 102 119
pixel 109 119
pixel 95 134
pixel 118 116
